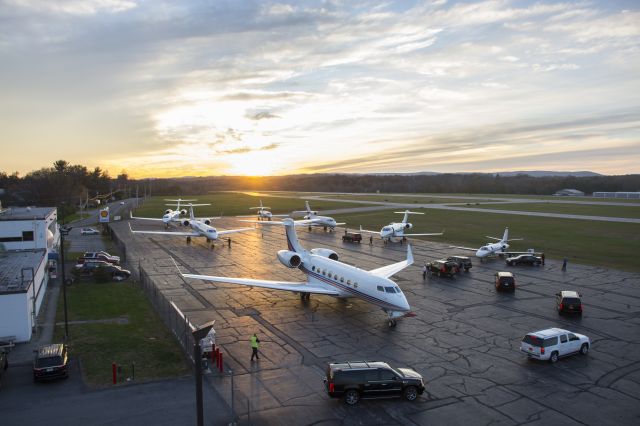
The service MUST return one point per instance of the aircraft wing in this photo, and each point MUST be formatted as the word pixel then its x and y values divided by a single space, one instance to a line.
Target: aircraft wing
pixel 394 268
pixel 279 215
pixel 369 232
pixel 144 218
pixel 464 248
pixel 201 219
pixel 179 233
pixel 423 235
pixel 233 231
pixel 340 223
pixel 493 238
pixel 296 286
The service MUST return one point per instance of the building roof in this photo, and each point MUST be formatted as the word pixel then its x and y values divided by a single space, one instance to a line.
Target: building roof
pixel 11 264
pixel 26 213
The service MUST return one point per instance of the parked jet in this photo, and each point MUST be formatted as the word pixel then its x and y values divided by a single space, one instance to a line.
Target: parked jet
pixel 327 275
pixel 264 213
pixel 199 227
pixel 493 249
pixel 170 216
pixel 312 219
pixel 396 231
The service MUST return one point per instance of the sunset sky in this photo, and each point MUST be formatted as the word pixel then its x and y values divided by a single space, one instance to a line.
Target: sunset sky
pixel 161 88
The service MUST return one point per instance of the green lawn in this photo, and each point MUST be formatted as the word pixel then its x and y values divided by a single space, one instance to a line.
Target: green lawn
pixel 414 198
pixel 548 197
pixel 142 338
pixel 234 204
pixel 607 244
pixel 630 211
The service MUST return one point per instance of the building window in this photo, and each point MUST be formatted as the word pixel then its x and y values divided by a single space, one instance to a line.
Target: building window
pixel 27 235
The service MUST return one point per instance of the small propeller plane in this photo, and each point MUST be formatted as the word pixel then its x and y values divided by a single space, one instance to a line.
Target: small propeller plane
pixel 327 275
pixel 264 213
pixel 170 216
pixel 312 219
pixel 499 248
pixel 395 231
pixel 199 228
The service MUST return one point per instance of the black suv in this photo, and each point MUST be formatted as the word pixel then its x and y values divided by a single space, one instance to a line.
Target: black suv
pixel 527 259
pixel 505 281
pixel 442 267
pixel 569 302
pixel 353 380
pixel 461 261
pixel 51 362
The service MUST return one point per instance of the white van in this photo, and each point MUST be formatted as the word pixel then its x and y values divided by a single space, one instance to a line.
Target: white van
pixel 553 343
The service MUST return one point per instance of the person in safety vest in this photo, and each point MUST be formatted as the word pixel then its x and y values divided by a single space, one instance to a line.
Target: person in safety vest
pixel 254 346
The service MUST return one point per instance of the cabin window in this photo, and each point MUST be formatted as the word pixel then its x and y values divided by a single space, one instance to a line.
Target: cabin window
pixel 341 279
pixel 324 272
pixel 313 268
pixel 380 288
pixel 348 282
pixel 355 285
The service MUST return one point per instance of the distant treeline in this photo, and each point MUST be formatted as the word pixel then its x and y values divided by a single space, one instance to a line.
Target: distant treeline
pixel 444 183
pixel 64 186
pixel 67 186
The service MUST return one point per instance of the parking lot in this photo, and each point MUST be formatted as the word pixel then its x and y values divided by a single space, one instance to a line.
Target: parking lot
pixel 464 338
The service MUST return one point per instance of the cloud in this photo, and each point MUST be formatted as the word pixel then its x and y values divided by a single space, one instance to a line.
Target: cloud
pixel 262 115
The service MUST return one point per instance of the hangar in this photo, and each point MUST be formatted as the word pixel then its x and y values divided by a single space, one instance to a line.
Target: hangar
pixel 29 239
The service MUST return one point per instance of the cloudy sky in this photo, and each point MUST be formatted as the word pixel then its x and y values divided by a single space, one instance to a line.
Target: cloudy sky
pixel 162 88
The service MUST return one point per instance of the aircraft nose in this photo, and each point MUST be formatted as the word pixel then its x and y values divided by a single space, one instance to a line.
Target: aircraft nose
pixel 403 303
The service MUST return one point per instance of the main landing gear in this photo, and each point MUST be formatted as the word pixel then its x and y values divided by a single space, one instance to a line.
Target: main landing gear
pixel 188 240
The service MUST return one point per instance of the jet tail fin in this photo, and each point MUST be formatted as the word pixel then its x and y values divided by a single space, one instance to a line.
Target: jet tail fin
pixel 292 237
pixel 505 237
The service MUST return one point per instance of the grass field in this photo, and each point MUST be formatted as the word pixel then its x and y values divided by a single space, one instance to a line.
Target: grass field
pixel 607 244
pixel 404 199
pixel 140 338
pixel 630 211
pixel 236 203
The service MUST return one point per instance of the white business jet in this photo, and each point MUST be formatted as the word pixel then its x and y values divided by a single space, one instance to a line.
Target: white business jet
pixel 170 216
pixel 264 213
pixel 395 231
pixel 493 249
pixel 312 219
pixel 326 275
pixel 199 228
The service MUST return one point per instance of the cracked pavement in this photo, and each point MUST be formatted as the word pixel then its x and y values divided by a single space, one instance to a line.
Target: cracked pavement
pixel 464 338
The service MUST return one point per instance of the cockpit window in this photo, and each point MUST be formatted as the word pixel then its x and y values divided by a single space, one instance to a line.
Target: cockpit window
pixel 398 290
pixel 390 289
pixel 483 249
pixel 380 288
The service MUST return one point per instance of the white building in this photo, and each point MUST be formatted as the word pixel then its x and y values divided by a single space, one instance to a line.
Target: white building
pixel 569 193
pixel 29 238
pixel 619 194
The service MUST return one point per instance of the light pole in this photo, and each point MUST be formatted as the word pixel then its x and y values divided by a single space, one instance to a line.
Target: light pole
pixel 64 231
pixel 199 334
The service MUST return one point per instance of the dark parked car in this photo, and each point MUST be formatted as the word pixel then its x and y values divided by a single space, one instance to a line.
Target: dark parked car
pixel 443 267
pixel 352 237
pixel 51 362
pixel 526 259
pixel 505 281
pixel 353 380
pixel 569 302
pixel 4 362
pixel 89 268
pixel 463 262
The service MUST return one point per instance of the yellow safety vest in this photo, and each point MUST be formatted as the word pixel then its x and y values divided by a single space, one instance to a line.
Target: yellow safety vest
pixel 254 342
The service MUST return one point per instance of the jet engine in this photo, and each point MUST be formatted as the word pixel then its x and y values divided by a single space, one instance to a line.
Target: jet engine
pixel 408 226
pixel 183 212
pixel 168 211
pixel 186 222
pixel 325 253
pixel 288 258
pixel 207 221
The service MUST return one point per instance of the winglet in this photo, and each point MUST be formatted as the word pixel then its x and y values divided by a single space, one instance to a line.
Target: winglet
pixel 130 214
pixel 409 255
pixel 176 263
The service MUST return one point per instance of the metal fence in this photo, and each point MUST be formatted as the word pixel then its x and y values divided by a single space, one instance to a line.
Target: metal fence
pixel 175 320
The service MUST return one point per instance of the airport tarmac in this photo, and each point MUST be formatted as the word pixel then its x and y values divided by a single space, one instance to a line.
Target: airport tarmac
pixel 464 338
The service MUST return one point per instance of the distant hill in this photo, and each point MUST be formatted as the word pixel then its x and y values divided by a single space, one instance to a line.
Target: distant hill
pixel 541 173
